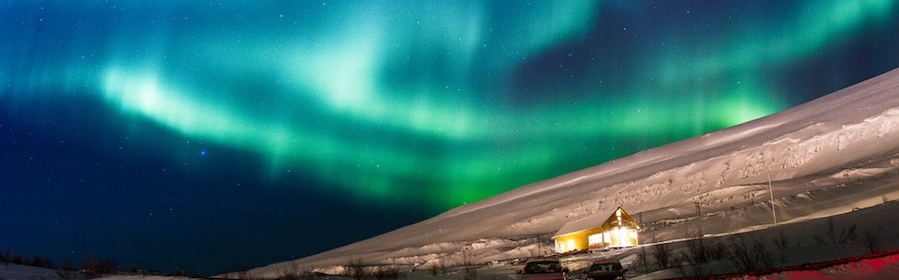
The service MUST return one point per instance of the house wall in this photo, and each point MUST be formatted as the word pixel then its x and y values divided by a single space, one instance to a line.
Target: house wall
pixel 623 236
pixel 574 241
pixel 611 236
pixel 621 230
pixel 571 242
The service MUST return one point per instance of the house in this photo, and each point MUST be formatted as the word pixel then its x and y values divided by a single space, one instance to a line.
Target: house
pixel 612 228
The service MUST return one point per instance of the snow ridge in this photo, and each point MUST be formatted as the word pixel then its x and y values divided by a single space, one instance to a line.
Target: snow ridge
pixel 821 158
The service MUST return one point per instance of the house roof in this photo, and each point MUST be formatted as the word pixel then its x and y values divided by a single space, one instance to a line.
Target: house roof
pixel 585 223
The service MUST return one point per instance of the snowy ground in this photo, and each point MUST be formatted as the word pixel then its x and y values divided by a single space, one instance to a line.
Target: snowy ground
pixel 143 277
pixel 830 156
pixel 801 248
pixel 9 271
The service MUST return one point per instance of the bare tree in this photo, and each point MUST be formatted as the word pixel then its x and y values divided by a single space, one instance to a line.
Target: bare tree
pixel 780 241
pixel 307 274
pixel 94 268
pixel 831 236
pixel 289 272
pixel 739 253
pixel 871 240
pixel 696 255
pixel 68 274
pixel 662 254
pixel 387 272
pixel 8 256
pixel 747 252
pixel 642 259
pixel 437 268
pixel 355 268
pixel 470 271
pixel 241 271
pixel 763 256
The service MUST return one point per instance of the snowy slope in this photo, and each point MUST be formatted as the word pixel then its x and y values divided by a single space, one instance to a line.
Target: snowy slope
pixel 144 277
pixel 822 158
pixel 11 271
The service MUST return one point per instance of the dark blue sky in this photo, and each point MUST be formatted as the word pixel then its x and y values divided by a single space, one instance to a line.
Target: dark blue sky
pixel 216 135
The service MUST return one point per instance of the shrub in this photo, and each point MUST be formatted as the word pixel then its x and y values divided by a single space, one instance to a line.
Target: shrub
pixel 289 272
pixel 387 272
pixel 68 274
pixel 94 268
pixel 437 268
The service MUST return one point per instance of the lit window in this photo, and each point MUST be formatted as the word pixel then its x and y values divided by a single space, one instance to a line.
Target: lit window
pixel 595 240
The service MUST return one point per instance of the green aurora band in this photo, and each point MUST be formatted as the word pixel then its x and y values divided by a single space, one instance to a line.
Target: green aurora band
pixel 420 104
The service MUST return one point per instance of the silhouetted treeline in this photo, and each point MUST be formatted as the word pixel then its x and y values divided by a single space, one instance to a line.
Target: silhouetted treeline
pixel 14 258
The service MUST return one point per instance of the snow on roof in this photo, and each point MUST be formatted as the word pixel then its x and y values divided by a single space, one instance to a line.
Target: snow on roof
pixel 585 223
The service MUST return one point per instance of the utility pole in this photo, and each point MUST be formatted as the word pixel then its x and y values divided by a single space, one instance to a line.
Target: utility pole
pixel 699 217
pixel 771 193
pixel 640 215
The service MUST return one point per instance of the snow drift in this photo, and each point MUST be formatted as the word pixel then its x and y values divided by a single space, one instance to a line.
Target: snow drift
pixel 823 158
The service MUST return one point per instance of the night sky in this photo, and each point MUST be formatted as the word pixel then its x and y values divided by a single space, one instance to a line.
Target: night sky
pixel 218 135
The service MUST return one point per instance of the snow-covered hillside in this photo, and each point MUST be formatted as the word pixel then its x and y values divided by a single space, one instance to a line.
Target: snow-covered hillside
pixel 11 271
pixel 823 158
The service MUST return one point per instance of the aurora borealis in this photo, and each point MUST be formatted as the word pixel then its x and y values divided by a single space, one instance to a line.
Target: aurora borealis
pixel 168 133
